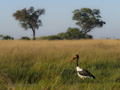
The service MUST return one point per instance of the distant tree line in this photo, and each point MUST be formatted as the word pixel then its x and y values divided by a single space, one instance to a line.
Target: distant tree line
pixel 6 37
pixel 70 34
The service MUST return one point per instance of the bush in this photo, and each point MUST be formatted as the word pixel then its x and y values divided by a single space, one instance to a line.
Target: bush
pixel 7 37
pixel 25 38
pixel 42 38
pixel 54 37
pixel 89 37
pixel 70 34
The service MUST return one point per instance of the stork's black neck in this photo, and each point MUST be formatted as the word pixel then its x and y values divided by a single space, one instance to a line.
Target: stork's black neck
pixel 77 62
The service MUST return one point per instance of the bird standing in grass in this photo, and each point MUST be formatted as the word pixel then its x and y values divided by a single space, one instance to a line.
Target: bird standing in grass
pixel 82 73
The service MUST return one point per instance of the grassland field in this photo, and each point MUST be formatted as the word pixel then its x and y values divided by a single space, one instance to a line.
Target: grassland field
pixel 44 65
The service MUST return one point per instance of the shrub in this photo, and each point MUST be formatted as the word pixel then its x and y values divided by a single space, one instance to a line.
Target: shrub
pixel 70 34
pixel 7 37
pixel 52 37
pixel 25 38
pixel 89 37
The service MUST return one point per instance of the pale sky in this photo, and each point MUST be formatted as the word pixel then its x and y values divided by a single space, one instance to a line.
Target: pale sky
pixel 58 17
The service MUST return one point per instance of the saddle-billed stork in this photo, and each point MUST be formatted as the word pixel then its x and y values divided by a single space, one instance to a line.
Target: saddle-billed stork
pixel 82 73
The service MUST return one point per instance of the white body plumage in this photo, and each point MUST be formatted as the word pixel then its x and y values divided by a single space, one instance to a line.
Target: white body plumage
pixel 78 70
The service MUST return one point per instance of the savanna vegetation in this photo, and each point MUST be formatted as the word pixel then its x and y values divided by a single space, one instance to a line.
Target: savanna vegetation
pixel 6 37
pixel 87 19
pixel 44 65
pixel 25 38
pixel 70 34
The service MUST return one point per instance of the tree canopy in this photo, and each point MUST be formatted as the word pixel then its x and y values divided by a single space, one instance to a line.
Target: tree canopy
pixel 87 19
pixel 29 19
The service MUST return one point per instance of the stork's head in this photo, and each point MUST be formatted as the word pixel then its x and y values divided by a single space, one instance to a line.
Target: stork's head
pixel 77 56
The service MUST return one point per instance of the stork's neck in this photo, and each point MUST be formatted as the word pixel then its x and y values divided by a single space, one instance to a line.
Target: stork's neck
pixel 77 62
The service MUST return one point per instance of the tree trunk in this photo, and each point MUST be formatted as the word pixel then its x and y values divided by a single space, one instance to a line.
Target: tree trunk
pixel 33 34
pixel 84 32
pixel 84 35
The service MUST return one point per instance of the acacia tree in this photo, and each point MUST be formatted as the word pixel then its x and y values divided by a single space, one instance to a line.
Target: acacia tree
pixel 87 19
pixel 29 19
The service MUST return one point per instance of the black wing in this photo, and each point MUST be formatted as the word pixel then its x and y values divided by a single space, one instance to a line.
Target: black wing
pixel 86 73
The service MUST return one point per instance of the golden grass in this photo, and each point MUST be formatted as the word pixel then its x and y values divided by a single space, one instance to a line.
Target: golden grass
pixel 46 63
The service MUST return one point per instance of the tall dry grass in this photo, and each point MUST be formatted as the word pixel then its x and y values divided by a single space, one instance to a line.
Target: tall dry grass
pixel 44 65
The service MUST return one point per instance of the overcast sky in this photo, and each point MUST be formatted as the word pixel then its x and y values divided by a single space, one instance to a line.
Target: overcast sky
pixel 58 17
